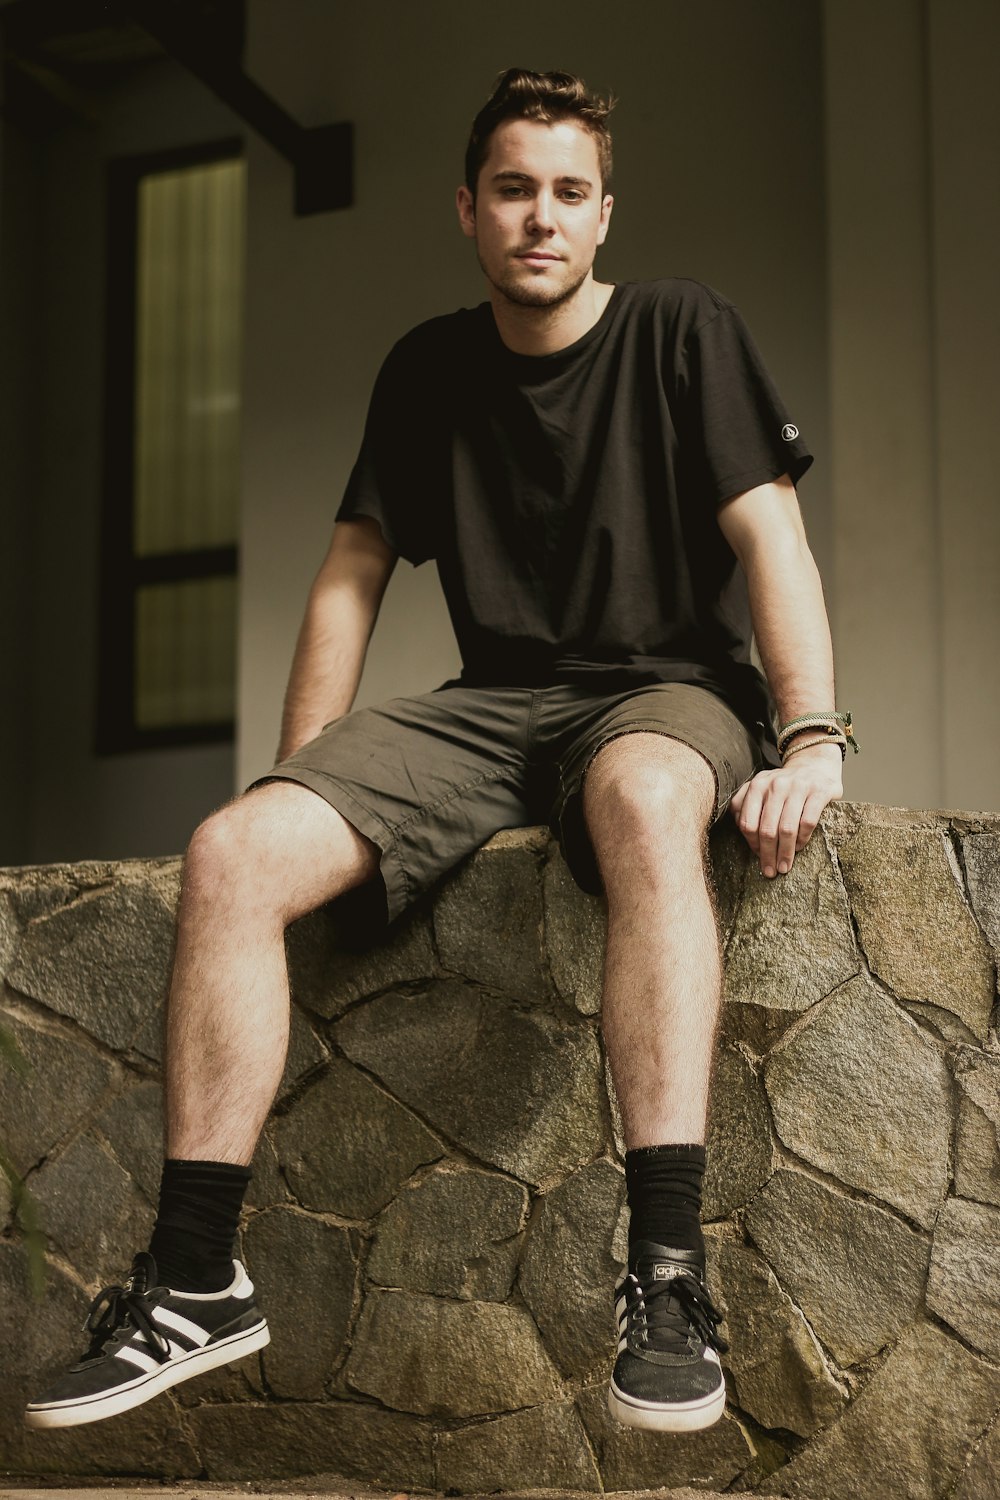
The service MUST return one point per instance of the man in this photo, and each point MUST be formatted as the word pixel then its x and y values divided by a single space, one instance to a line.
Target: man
pixel 604 475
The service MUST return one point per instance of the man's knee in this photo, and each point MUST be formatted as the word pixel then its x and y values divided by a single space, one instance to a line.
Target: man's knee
pixel 646 782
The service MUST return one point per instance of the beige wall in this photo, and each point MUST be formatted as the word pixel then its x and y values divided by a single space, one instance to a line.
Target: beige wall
pixel 912 128
pixel 719 176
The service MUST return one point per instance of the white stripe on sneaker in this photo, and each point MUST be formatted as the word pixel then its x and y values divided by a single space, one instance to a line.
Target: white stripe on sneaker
pixel 137 1357
pixel 167 1318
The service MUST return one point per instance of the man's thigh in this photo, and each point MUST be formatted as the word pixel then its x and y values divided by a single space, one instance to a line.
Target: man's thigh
pixel 427 779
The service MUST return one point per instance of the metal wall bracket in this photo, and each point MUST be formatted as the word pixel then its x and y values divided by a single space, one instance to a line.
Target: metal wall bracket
pixel 206 37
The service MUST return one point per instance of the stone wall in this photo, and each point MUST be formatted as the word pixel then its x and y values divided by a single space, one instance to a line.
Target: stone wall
pixel 436 1218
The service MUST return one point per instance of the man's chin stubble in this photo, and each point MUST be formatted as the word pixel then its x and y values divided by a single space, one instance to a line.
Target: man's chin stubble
pixel 534 293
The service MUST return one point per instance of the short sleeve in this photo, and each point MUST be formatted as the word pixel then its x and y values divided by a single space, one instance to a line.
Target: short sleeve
pixel 734 425
pixel 388 482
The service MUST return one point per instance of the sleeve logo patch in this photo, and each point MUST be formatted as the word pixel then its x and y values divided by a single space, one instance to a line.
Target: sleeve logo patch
pixel 789 432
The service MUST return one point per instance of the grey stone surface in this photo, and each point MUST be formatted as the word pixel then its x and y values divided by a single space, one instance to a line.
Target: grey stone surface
pixel 104 961
pixel 488 917
pixel 10 931
pixel 964 1283
pixel 862 1093
pixel 981 852
pixel 730 860
pixel 269 1442
pixel 514 1089
pixel 856 1271
pixel 569 1269
pixel 544 1447
pixel 779 920
pixel 977 1160
pixel 305 1052
pixel 346 1147
pixel 740 1154
pixel 981 1480
pixel 456 1234
pixel 436 1357
pixel 781 1376
pixel 862 1090
pixel 150 1442
pixel 942 1022
pixel 977 1156
pixel 908 1434
pixel 326 976
pixel 304 1272
pixel 35 1349
pixel 902 881
pixel 36 892
pixel 632 1460
pixel 267 1186
pixel 63 1082
pixel 133 1125
pixel 88 1209
pixel 575 929
pixel 755 1029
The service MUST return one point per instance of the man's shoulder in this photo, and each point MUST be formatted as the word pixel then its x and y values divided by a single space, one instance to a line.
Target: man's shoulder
pixel 439 336
pixel 680 299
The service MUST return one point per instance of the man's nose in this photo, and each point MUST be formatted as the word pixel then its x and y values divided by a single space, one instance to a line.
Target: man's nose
pixel 542 216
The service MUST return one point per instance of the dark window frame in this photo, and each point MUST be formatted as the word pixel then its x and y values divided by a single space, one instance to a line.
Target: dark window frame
pixel 121 572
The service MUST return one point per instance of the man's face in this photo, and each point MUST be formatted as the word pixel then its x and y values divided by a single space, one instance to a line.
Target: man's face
pixel 538 216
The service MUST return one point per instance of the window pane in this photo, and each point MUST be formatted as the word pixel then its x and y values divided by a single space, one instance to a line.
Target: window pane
pixel 188 352
pixel 185 653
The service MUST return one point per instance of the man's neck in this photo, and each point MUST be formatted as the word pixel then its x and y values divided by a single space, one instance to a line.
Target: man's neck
pixel 545 330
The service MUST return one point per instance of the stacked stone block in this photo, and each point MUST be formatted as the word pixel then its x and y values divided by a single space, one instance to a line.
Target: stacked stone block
pixel 436 1220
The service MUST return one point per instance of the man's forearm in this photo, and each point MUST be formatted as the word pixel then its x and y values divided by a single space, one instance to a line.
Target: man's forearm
pixel 778 810
pixel 791 627
pixel 326 668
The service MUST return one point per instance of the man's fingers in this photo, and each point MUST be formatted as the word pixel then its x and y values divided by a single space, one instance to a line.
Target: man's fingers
pixel 751 798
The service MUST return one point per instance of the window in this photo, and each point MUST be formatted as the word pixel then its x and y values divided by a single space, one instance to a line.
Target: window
pixel 171 521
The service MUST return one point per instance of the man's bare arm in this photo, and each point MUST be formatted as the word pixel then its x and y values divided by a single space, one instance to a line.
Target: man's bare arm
pixel 340 616
pixel 779 809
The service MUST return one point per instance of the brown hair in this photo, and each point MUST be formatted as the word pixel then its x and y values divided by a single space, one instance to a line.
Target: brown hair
pixel 547 97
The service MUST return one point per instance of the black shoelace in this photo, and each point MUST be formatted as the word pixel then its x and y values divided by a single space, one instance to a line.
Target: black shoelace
pixel 125 1308
pixel 669 1309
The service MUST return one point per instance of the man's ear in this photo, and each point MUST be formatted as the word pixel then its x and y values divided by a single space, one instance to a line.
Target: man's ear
pixel 606 207
pixel 466 211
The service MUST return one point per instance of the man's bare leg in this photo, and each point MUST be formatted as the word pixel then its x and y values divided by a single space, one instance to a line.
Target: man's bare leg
pixel 273 855
pixel 648 802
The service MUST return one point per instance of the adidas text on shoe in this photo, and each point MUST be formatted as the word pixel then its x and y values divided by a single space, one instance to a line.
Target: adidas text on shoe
pixel 667 1375
pixel 145 1338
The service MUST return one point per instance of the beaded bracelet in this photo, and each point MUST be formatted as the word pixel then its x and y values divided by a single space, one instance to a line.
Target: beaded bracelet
pixel 829 723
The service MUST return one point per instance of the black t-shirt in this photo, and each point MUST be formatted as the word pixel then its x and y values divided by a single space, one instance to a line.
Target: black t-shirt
pixel 570 499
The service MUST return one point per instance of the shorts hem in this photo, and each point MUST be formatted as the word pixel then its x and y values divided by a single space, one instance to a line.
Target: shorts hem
pixel 391 869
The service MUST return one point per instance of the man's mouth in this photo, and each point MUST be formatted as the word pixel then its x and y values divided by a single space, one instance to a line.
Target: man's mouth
pixel 537 255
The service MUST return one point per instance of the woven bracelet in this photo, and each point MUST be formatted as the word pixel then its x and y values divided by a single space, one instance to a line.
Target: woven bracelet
pixel 829 739
pixel 829 723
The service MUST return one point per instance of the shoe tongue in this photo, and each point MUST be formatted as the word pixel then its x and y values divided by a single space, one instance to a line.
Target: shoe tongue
pixel 653 1263
pixel 143 1274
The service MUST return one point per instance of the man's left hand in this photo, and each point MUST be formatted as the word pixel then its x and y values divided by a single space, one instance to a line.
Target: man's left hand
pixel 777 811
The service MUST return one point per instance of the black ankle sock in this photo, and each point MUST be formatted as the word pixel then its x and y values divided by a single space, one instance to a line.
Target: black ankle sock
pixel 196 1225
pixel 664 1195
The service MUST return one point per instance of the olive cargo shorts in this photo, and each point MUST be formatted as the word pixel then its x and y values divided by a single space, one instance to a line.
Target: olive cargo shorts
pixel 430 778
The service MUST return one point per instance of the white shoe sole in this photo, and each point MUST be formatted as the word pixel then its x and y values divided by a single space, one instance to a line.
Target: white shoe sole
pixel 687 1416
pixel 145 1387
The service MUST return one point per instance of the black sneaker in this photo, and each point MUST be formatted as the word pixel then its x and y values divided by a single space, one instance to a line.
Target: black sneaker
pixel 145 1338
pixel 667 1375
